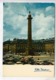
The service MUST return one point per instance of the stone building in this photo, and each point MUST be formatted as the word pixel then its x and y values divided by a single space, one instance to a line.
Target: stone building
pixel 18 46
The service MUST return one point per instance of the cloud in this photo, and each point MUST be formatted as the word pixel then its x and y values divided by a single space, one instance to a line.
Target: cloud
pixel 17 22
pixel 44 26
pixel 16 25
pixel 50 10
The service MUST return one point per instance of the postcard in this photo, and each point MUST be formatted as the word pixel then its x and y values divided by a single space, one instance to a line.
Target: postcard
pixel 27 40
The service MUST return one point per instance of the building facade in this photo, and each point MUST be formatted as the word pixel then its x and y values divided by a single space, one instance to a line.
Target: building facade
pixel 18 46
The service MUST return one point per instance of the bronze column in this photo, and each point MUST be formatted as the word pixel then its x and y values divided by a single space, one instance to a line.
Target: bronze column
pixel 29 34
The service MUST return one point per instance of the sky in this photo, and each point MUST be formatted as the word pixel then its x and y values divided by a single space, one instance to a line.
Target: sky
pixel 15 23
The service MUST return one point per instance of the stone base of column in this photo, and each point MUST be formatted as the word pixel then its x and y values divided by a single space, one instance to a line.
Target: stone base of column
pixel 29 52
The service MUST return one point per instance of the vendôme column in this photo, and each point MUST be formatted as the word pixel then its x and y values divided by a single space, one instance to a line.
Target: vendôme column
pixel 29 45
